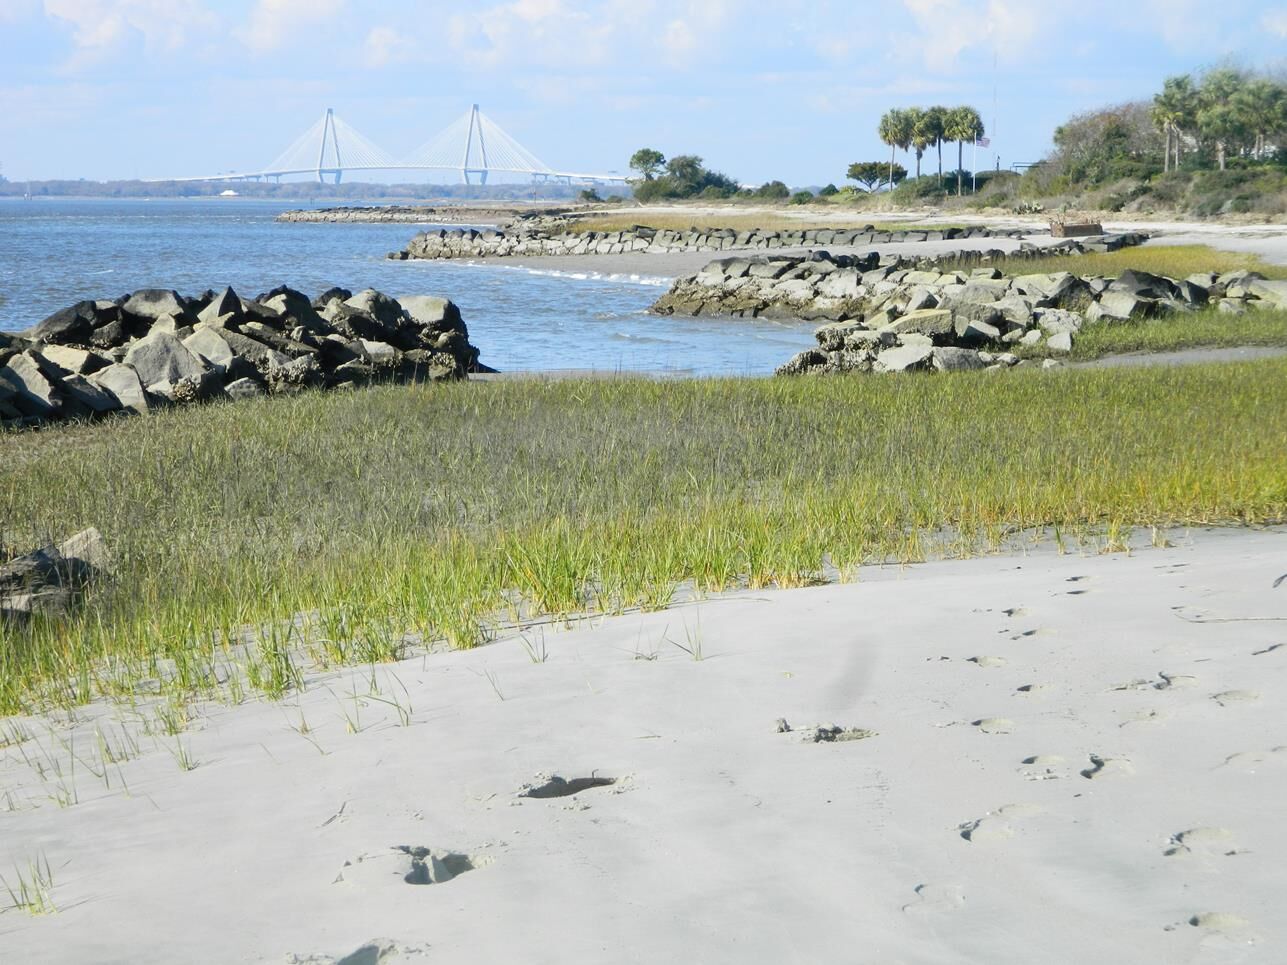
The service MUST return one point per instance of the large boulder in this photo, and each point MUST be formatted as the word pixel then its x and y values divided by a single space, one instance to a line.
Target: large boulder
pixel 161 357
pixel 949 359
pixel 124 384
pixel 87 396
pixel 905 358
pixel 224 309
pixel 380 307
pixel 32 392
pixel 926 321
pixel 72 324
pixel 211 347
pixel 1273 292
pixel 437 314
pixel 155 303
pixel 49 579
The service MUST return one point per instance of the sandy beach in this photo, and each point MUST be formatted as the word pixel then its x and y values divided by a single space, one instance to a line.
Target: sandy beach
pixel 1056 758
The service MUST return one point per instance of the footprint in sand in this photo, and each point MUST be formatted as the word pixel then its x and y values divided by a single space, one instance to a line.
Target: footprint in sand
pixel 997 825
pixel 935 899
pixel 1044 767
pixel 1253 761
pixel 1032 690
pixel 1219 921
pixel 988 661
pixel 1231 697
pixel 994 725
pixel 1163 681
pixel 1101 767
pixel 1203 841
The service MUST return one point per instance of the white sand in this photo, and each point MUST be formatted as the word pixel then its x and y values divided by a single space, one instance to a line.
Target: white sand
pixel 993 686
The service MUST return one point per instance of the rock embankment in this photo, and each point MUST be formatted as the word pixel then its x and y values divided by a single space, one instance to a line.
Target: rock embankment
pixel 156 347
pixel 539 238
pixel 414 214
pixel 890 315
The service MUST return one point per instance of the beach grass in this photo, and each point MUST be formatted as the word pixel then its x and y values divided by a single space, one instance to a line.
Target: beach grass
pixel 1172 261
pixel 1177 331
pixel 797 219
pixel 257 541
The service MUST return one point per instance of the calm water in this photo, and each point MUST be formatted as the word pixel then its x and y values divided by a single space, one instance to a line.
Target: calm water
pixel 54 253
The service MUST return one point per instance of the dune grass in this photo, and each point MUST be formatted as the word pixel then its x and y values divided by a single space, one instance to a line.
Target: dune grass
pixel 258 539
pixel 787 220
pixel 1169 333
pixel 1173 261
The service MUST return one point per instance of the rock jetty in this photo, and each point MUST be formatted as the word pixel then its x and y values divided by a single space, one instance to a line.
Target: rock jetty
pixel 539 238
pixel 890 315
pixel 155 347
pixel 414 214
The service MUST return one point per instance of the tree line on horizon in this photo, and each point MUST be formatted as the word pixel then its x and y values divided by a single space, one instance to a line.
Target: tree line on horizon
pixel 917 129
pixel 1227 110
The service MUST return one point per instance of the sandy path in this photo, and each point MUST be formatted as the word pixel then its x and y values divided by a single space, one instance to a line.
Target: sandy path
pixel 1077 758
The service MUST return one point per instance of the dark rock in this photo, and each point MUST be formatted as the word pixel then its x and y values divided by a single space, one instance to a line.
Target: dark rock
pixel 71 324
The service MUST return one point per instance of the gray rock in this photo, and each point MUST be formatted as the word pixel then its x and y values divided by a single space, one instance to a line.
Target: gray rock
pixel 32 393
pixel 1055 320
pixel 381 354
pixel 209 345
pixel 976 333
pixel 1060 342
pixel 69 361
pixel 244 389
pixel 904 358
pixel 160 357
pixel 379 306
pixel 224 309
pixel 1231 306
pixel 1119 305
pixel 927 321
pixel 81 391
pixel 1273 292
pixel 948 359
pixel 154 303
pixel 123 383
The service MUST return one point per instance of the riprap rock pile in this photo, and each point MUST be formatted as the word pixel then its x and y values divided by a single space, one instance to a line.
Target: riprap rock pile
pixel 156 347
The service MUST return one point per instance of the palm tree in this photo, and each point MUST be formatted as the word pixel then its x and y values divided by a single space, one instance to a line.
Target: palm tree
pixel 896 131
pixel 1174 111
pixel 1219 117
pixel 934 122
pixel 962 124
pixel 921 137
pixel 1261 103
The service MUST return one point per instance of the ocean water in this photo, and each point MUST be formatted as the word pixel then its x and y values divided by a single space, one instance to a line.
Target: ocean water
pixel 56 252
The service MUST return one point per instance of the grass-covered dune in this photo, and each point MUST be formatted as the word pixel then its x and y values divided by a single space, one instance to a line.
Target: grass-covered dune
pixel 432 510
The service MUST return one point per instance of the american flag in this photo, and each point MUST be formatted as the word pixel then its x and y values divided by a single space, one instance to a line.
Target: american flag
pixel 983 141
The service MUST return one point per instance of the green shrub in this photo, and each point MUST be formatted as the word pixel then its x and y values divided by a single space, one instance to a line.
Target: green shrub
pixel 802 197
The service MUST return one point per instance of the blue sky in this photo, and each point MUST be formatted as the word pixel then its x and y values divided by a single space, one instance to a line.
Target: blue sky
pixel 149 88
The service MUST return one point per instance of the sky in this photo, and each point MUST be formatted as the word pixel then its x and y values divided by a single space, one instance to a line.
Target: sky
pixel 106 89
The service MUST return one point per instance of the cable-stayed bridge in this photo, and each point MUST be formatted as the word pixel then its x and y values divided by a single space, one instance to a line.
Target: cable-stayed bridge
pixel 474 147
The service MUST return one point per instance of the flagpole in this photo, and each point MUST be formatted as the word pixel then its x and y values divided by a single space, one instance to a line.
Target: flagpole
pixel 974 168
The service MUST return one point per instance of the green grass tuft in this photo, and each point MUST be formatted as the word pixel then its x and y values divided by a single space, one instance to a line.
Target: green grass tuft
pixel 259 539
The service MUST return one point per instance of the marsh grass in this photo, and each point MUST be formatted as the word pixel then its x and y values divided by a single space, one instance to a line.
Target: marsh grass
pixel 256 541
pixel 1173 261
pixel 1169 333
pixel 744 221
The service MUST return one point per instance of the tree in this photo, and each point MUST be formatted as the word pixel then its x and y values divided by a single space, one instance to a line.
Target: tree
pixel 922 135
pixel 1219 117
pixel 933 125
pixel 1174 112
pixel 868 173
pixel 960 125
pixel 773 190
pixel 896 131
pixel 1261 103
pixel 647 162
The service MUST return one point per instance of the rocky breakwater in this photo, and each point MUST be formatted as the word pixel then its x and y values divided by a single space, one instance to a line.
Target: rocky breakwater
pixel 156 347
pixel 538 239
pixel 888 315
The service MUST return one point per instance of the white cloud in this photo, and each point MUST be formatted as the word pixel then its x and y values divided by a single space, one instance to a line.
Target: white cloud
pixel 11 11
pixel 950 28
pixel 100 25
pixel 384 45
pixel 273 21
pixel 1275 21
